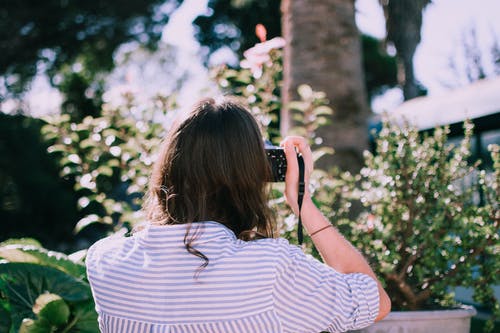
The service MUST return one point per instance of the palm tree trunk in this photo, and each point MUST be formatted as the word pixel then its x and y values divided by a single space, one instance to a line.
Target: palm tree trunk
pixel 324 50
pixel 403 23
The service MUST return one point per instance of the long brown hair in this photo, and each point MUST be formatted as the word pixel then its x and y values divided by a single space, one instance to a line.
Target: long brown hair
pixel 213 167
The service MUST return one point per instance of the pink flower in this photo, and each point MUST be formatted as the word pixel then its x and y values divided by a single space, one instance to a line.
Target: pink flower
pixel 258 55
pixel 261 32
pixel 370 222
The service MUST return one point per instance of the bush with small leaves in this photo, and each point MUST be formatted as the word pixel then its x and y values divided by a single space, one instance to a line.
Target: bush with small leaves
pixel 108 158
pixel 423 230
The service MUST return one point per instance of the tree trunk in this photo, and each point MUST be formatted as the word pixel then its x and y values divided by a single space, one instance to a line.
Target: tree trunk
pixel 323 50
pixel 403 23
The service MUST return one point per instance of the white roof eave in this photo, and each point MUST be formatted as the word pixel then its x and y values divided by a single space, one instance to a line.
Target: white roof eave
pixel 476 100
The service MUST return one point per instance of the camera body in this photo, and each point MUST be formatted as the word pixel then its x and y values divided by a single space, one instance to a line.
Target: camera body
pixel 277 161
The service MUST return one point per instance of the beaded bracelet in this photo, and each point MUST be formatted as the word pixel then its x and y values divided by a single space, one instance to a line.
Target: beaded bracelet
pixel 320 229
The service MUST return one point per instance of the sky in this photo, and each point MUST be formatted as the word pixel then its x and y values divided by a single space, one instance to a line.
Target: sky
pixel 444 25
pixel 445 22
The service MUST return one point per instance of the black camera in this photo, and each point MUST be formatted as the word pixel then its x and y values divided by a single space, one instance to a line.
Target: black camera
pixel 277 161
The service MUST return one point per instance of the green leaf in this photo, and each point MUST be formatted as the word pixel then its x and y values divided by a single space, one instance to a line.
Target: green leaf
pixel 57 148
pixel 52 308
pixel 323 110
pixel 244 77
pixel 22 283
pixel 105 170
pixel 35 326
pixel 5 321
pixel 305 91
pixel 299 117
pixel 11 254
pixel 322 121
pixel 320 152
pixel 82 132
pixel 110 132
pixel 296 105
pixel 87 143
pixel 230 73
pixel 36 255
pixel 113 163
pixel 86 318
pixel 21 241
pixel 85 222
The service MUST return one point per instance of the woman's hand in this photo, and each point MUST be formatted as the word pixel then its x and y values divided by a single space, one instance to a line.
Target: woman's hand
pixel 293 145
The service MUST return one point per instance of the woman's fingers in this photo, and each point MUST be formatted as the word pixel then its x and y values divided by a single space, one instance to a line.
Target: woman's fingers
pixel 293 145
pixel 298 144
pixel 291 159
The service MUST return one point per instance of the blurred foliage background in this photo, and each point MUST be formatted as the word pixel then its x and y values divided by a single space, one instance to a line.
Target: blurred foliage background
pixel 70 178
pixel 73 43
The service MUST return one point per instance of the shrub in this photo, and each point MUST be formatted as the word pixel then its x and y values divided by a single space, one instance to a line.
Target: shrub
pixel 107 161
pixel 423 229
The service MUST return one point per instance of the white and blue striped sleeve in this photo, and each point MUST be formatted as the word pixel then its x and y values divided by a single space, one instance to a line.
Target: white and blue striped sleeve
pixel 312 297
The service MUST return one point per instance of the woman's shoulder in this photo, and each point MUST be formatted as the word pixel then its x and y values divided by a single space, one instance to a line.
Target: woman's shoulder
pixel 276 243
pixel 286 252
pixel 110 244
pixel 279 248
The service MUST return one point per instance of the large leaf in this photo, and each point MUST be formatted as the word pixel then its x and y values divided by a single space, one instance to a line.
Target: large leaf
pixel 29 325
pixel 22 283
pixel 85 318
pixel 21 241
pixel 5 321
pixel 52 308
pixel 37 255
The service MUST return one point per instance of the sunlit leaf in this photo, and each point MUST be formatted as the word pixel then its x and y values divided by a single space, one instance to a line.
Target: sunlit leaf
pixel 305 91
pixel 85 222
pixel 52 308
pixel 37 255
pixel 105 171
pixel 35 326
pixel 296 105
pixel 323 110
pixel 21 241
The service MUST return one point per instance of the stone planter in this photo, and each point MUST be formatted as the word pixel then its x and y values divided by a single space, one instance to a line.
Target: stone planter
pixel 439 321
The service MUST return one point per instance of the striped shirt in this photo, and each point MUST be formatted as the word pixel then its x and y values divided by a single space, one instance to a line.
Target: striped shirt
pixel 148 283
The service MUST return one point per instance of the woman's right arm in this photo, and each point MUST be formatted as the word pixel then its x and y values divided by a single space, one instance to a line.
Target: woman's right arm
pixel 335 250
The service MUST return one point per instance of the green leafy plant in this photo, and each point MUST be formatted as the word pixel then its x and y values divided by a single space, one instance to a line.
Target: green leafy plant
pixel 424 230
pixel 107 158
pixel 43 291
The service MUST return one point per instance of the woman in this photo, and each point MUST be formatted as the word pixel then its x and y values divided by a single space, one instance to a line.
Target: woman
pixel 208 262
